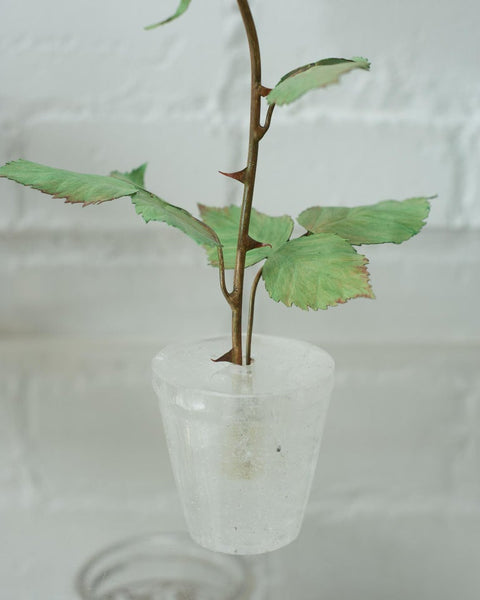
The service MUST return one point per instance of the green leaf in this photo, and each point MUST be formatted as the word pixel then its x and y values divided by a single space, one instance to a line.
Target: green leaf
pixel 314 75
pixel 93 189
pixel 136 176
pixel 316 271
pixel 153 208
pixel 388 221
pixel 74 187
pixel 263 228
pixel 182 7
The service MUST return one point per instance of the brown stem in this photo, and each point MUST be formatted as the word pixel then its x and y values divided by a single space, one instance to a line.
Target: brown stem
pixel 221 272
pixel 249 182
pixel 251 310
pixel 268 119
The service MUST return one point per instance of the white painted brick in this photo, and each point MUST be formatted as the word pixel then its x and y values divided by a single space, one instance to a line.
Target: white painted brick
pixel 395 499
pixel 400 430
pixel 418 286
pixel 97 56
pixel 97 74
pixel 80 21
pixel 352 162
pixel 151 245
pixel 11 193
pixel 11 472
pixel 470 183
pixel 42 551
pixel 424 54
pixel 114 301
pixel 466 467
pixel 373 557
pixel 184 159
pixel 111 452
pixel 394 483
pixel 395 429
pixel 94 430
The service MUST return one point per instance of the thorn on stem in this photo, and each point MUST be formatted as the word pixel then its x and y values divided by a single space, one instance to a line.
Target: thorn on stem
pixel 252 244
pixel 227 357
pixel 264 91
pixel 238 175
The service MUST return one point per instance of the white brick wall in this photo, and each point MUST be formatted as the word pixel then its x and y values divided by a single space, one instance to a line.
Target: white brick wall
pixel 87 296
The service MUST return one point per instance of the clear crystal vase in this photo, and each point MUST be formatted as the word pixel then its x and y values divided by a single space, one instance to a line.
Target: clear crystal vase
pixel 244 440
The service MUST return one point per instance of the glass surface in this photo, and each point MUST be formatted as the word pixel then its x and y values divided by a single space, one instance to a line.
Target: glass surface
pixel 164 567
pixel 244 441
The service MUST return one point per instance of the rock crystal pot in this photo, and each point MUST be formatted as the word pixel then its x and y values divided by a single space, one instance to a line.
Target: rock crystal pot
pixel 244 440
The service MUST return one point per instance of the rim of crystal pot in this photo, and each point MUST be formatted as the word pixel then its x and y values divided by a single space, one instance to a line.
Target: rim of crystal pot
pixel 239 368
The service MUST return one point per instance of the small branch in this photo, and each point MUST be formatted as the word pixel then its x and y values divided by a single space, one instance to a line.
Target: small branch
pixel 268 119
pixel 221 273
pixel 251 310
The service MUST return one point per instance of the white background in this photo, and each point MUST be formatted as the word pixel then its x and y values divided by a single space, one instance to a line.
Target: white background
pixel 88 295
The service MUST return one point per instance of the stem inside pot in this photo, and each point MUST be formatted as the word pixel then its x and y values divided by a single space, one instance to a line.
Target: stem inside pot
pixel 243 435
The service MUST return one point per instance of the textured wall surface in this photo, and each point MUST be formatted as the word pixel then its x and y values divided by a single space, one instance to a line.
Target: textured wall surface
pixel 88 295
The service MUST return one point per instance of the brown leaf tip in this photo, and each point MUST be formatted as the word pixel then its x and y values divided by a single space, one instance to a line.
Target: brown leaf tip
pixel 366 275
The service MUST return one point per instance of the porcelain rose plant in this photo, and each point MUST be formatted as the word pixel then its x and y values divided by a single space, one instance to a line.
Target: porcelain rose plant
pixel 318 269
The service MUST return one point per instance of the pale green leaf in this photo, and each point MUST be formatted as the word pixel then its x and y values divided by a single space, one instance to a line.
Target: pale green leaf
pixel 388 221
pixel 273 231
pixel 153 208
pixel 74 187
pixel 314 75
pixel 182 7
pixel 93 189
pixel 316 271
pixel 136 176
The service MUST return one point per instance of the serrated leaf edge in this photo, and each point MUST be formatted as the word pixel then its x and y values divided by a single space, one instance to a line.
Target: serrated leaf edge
pixel 423 221
pixel 362 268
pixel 134 189
pixel 67 198
pixel 323 62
